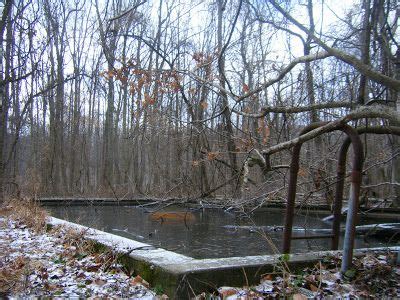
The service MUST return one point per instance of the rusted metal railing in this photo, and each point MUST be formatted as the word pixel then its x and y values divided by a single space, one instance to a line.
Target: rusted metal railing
pixel 348 244
pixel 356 175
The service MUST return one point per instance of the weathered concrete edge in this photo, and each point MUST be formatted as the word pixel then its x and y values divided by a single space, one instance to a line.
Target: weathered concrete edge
pixel 180 264
pixel 137 250
pixel 179 275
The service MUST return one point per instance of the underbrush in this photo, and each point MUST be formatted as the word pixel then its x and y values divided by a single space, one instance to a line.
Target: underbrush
pixel 79 247
pixel 26 211
pixel 18 266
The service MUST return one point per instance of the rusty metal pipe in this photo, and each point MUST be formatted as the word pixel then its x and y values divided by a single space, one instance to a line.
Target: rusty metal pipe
pixel 356 175
pixel 337 205
pixel 291 197
pixel 341 170
pixel 294 167
pixel 353 137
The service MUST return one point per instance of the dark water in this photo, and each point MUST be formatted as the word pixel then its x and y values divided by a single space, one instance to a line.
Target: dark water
pixel 205 233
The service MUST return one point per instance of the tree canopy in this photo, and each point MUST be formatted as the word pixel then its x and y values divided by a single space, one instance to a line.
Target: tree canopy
pixel 194 98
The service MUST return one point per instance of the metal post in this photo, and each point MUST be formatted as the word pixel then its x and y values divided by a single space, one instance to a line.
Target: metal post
pixel 337 205
pixel 353 205
pixel 356 175
pixel 291 197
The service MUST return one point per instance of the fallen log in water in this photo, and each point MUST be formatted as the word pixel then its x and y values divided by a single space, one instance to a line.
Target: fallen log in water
pixel 381 230
pixel 173 217
pixel 378 230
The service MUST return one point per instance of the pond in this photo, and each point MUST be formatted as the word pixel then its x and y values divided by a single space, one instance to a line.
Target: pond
pixel 205 233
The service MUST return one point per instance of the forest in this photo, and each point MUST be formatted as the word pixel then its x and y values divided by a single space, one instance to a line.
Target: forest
pixel 196 99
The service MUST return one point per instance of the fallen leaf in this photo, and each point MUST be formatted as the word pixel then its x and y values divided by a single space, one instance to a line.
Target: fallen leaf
pixel 314 288
pixel 100 282
pixel 137 280
pixel 145 283
pixel 93 268
pixel 267 277
pixel 299 297
pixel 226 291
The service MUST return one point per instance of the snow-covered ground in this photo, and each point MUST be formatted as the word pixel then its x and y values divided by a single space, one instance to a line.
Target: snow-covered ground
pixel 40 264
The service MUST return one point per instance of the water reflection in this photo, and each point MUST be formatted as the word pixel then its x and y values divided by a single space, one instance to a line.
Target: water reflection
pixel 207 233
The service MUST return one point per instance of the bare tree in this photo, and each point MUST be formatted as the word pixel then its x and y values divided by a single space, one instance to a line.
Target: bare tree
pixel 4 86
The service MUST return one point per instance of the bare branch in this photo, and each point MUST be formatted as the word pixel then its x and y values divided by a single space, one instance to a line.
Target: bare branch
pixel 260 19
pixel 281 75
pixel 223 49
pixel 347 58
pixel 5 16
pixel 290 110
pixel 208 193
pixel 380 184
pixel 378 111
pixel 287 69
pixel 127 11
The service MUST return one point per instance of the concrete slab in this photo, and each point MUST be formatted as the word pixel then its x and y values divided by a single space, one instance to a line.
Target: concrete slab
pixel 54 201
pixel 180 276
pixel 139 250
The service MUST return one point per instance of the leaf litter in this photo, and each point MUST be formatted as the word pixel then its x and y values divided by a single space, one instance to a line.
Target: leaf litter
pixel 60 263
pixel 374 275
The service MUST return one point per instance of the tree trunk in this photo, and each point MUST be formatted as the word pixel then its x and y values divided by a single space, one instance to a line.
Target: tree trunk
pixel 4 101
pixel 396 141
pixel 224 103
pixel 365 48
